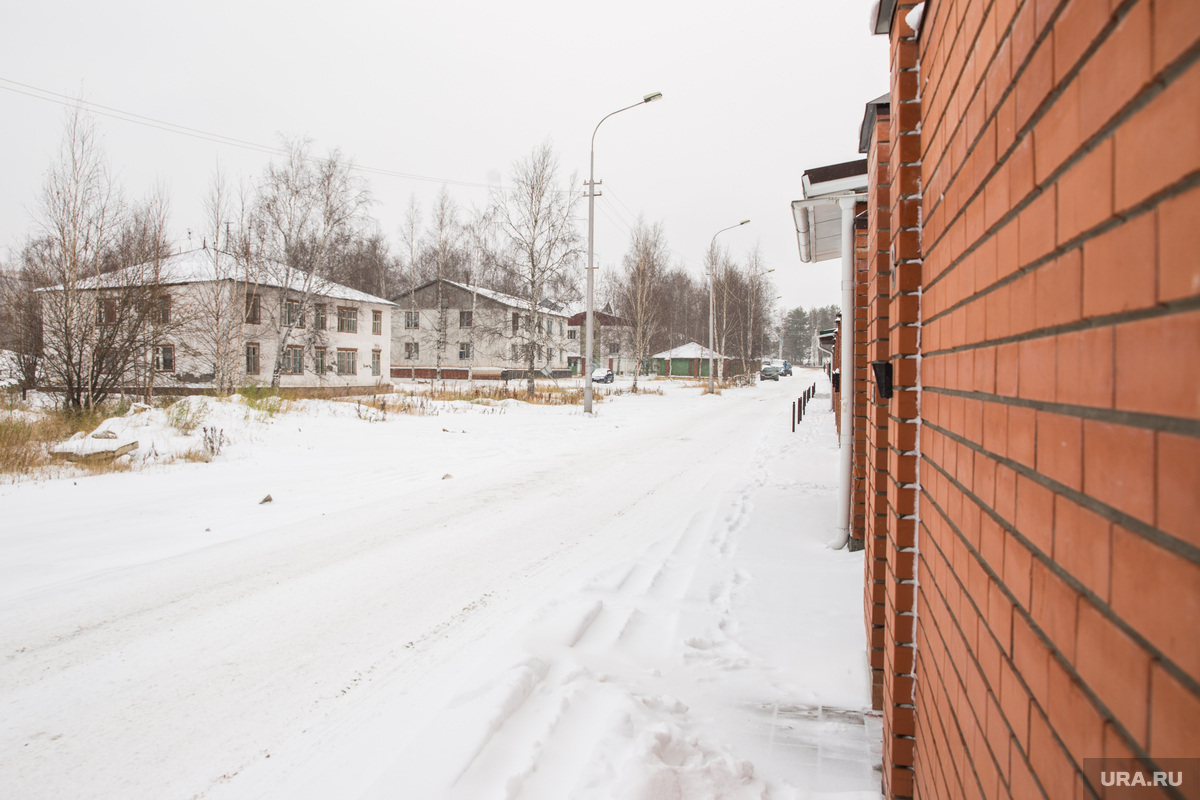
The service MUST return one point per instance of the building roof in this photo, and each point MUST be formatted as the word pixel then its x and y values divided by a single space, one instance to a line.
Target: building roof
pixel 689 350
pixel 881 104
pixel 203 265
pixel 849 176
pixel 500 297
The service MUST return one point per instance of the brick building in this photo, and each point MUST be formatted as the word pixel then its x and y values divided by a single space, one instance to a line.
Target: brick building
pixel 1029 493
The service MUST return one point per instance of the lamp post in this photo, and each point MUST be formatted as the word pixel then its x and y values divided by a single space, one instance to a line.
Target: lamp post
pixel 712 307
pixel 591 184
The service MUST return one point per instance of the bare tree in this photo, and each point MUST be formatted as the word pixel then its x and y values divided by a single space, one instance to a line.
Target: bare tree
pixel 21 323
pixel 638 289
pixel 305 205
pixel 444 235
pixel 98 259
pixel 538 222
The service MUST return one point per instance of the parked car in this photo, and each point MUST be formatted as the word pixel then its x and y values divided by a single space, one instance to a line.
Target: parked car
pixel 769 373
pixel 602 375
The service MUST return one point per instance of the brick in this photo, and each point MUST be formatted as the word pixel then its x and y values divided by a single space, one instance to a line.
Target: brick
pixel 1174 718
pixel 1158 593
pixel 1154 365
pixel 1085 193
pixel 1076 720
pixel 1036 366
pixel 1178 501
pixel 1037 228
pixel 1119 268
pixel 1018 563
pixel 1116 668
pixel 1059 290
pixel 1035 82
pixel 1085 368
pixel 1014 700
pixel 1178 267
pixel 1023 33
pixel 1074 31
pixel 1060 448
pixel 1021 783
pixel 999 617
pixel 1057 134
pixel 1083 545
pixel 1168 124
pixel 1035 514
pixel 1022 435
pixel 1176 28
pixel 1117 71
pixel 1053 606
pixel 1049 761
pixel 1119 467
pixel 1007 373
pixel 985 370
pixel 1006 492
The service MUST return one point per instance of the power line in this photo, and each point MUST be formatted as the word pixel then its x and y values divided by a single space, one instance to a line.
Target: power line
pixel 195 133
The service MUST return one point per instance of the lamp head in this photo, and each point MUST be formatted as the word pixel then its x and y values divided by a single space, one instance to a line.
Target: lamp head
pixel 650 98
pixel 744 222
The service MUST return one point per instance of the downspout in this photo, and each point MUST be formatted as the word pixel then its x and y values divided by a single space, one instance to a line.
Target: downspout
pixel 846 468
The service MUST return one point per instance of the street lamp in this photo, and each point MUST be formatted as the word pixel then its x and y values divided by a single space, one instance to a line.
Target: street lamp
pixel 712 307
pixel 591 303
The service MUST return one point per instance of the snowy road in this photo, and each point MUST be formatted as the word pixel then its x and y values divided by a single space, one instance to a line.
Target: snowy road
pixel 526 604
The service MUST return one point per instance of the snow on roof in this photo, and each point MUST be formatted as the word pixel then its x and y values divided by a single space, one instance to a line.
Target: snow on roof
pixel 492 294
pixel 689 350
pixel 204 265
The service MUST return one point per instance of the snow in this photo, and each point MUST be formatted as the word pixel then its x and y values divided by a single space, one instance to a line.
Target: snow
pixel 914 16
pixel 506 601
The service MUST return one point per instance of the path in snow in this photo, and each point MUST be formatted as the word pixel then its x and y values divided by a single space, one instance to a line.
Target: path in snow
pixel 635 606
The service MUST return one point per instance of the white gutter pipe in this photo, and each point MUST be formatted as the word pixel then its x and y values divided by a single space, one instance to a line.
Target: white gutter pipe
pixel 846 467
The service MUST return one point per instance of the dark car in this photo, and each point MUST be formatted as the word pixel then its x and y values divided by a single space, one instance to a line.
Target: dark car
pixel 602 375
pixel 769 373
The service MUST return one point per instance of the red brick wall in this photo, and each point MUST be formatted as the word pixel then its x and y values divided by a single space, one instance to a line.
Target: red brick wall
pixel 1057 171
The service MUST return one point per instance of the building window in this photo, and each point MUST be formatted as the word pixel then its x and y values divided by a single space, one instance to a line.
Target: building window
pixel 466 319
pixel 516 321
pixel 253 310
pixel 164 358
pixel 293 360
pixel 319 317
pixel 412 319
pixel 560 327
pixel 319 361
pixel 347 321
pixel 160 311
pixel 614 348
pixel 412 350
pixel 376 366
pixel 539 324
pixel 347 362
pixel 106 312
pixel 251 359
pixel 377 323
pixel 464 350
pixel 573 333
pixel 516 352
pixel 292 315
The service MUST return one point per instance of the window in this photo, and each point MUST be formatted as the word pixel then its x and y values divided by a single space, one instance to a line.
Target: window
pixel 464 350
pixel 539 324
pixel 253 311
pixel 614 348
pixel 466 319
pixel 377 324
pixel 347 321
pixel 516 323
pixel 319 317
pixel 293 360
pixel 106 312
pixel 251 359
pixel 160 310
pixel 347 362
pixel 573 333
pixel 516 352
pixel 560 327
pixel 164 358
pixel 412 350
pixel 412 319
pixel 319 361
pixel 292 314
pixel 376 367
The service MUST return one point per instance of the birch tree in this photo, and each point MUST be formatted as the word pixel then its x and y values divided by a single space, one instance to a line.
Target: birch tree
pixel 638 289
pixel 304 206
pixel 538 223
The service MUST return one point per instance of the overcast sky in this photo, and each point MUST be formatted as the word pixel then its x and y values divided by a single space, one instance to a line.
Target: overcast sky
pixel 754 94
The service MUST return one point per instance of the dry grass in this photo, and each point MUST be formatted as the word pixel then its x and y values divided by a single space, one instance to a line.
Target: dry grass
pixel 25 441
